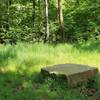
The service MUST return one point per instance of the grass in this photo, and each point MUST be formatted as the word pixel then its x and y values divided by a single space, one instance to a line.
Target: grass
pixel 20 67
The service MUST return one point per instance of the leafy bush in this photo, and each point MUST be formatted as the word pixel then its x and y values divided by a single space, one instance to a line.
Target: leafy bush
pixel 81 21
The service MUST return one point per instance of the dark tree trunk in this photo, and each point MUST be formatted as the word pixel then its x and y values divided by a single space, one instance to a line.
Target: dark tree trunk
pixel 34 4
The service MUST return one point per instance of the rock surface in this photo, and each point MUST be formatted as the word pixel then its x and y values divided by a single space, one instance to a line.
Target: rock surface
pixel 74 73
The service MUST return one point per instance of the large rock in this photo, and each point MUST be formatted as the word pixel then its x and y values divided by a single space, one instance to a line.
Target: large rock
pixel 74 73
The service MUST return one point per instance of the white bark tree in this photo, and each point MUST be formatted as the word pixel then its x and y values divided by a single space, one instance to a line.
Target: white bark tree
pixel 61 19
pixel 46 20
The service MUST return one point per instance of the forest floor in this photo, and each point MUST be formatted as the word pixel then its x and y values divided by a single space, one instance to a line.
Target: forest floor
pixel 20 67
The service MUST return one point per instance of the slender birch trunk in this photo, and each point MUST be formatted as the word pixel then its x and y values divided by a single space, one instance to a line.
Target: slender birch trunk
pixel 61 19
pixel 46 20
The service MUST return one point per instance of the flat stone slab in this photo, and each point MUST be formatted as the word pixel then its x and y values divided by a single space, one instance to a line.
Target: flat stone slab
pixel 74 73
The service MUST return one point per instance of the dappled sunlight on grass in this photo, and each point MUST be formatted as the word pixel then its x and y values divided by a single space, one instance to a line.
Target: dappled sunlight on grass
pixel 32 56
pixel 20 67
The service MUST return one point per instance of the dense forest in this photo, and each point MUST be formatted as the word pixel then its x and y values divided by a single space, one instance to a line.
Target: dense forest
pixel 49 20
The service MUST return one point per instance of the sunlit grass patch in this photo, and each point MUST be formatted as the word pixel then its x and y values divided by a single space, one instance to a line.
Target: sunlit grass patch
pixel 28 56
pixel 20 67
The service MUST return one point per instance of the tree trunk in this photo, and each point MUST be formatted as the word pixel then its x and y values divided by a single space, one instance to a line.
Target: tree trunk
pixel 34 3
pixel 39 8
pixel 46 20
pixel 60 13
pixel 61 20
pixel 8 13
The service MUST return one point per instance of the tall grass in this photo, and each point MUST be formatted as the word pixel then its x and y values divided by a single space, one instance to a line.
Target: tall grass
pixel 32 57
pixel 20 66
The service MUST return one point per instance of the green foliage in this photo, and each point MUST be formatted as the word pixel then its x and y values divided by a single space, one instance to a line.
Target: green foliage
pixel 81 21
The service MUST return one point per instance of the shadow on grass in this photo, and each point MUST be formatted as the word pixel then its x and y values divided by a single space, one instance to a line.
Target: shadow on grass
pixel 15 86
pixel 89 46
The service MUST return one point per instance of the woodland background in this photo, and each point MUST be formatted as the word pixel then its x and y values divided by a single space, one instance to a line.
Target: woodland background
pixel 25 21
